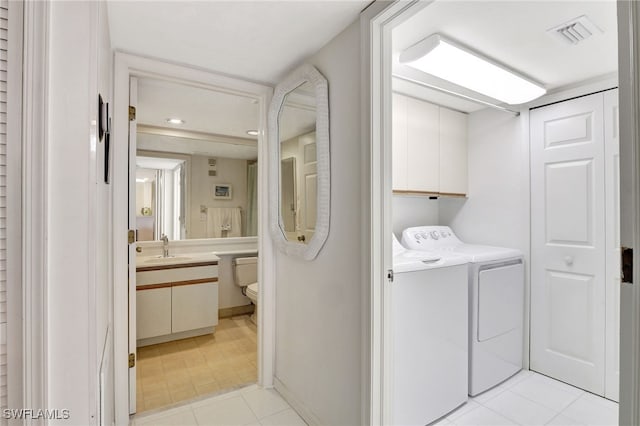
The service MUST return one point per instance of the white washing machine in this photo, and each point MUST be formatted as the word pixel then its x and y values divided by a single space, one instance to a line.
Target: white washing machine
pixel 496 303
pixel 429 296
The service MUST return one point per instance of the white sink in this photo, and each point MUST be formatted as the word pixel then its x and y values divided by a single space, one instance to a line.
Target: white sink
pixel 159 260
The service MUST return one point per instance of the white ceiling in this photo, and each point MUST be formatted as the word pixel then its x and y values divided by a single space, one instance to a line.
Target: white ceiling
pixel 190 146
pixel 157 163
pixel 256 40
pixel 203 110
pixel 515 34
pixel 210 114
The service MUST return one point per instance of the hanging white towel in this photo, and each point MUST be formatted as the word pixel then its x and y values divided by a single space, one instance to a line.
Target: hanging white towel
pixel 226 219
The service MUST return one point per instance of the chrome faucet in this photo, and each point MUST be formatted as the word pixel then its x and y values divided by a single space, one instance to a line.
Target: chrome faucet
pixel 165 245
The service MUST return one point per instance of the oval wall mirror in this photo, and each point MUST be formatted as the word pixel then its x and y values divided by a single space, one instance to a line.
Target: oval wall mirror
pixel 300 163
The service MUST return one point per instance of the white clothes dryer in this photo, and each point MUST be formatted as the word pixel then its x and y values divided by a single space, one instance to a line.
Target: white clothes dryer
pixel 429 335
pixel 496 303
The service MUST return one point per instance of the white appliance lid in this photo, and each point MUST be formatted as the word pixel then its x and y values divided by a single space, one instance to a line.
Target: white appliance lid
pixel 477 253
pixel 415 260
pixel 441 239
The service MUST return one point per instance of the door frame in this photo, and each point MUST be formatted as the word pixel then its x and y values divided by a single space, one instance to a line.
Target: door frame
pixel 376 25
pixel 629 128
pixel 128 65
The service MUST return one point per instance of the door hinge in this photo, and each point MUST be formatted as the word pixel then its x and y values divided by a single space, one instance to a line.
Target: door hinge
pixel 131 236
pixel 132 113
pixel 390 275
pixel 132 360
pixel 626 256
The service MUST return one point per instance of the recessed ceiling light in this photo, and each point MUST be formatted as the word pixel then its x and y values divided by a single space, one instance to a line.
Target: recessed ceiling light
pixel 450 61
pixel 175 121
pixel 252 132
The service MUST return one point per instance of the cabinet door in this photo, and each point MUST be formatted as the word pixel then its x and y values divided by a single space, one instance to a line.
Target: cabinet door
pixel 399 142
pixel 153 316
pixel 453 152
pixel 423 155
pixel 194 306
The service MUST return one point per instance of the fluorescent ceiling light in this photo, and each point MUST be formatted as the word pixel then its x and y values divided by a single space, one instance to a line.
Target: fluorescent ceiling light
pixel 143 180
pixel 175 121
pixel 252 132
pixel 448 60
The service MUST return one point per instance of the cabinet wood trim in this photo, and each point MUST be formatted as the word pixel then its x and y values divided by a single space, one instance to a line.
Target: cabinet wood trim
pixel 198 281
pixel 428 193
pixel 181 265
pixel 452 194
pixel 153 286
pixel 177 283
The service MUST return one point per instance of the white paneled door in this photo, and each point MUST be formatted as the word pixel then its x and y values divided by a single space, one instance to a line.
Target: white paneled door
pixel 570 226
pixel 309 186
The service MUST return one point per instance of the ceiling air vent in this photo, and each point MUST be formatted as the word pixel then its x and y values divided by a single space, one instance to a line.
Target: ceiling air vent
pixel 576 30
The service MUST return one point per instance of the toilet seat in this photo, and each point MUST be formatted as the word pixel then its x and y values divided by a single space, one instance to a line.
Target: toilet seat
pixel 252 291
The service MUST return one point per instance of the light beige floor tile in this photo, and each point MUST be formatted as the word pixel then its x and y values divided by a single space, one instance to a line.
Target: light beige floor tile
pixel 590 409
pixel 181 418
pixel 264 402
pixel 520 409
pixel 283 418
pixel 227 412
pixel 188 368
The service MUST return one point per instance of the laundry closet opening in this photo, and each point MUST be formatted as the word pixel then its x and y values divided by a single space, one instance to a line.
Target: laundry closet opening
pixel 522 184
pixel 194 207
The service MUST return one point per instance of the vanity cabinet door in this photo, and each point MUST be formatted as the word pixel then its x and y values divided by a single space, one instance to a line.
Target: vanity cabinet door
pixel 154 312
pixel 194 306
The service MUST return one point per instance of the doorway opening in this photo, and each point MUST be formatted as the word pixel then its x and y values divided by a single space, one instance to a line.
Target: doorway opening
pixel 494 161
pixel 195 184
pixel 193 195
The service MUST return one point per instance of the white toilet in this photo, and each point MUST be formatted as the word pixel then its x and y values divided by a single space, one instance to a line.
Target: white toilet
pixel 245 275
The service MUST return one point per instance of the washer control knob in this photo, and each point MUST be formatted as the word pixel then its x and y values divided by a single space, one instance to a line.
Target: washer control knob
pixel 435 235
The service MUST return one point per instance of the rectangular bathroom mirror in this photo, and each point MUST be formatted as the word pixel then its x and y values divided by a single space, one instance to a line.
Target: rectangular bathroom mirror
pixel 196 163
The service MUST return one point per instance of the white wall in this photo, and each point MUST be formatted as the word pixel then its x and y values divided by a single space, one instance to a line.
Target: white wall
pixel 496 211
pixel 230 171
pixel 318 303
pixel 410 210
pixel 78 286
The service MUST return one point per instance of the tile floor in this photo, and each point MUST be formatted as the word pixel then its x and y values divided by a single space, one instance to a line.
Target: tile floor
pixel 177 371
pixel 532 399
pixel 248 406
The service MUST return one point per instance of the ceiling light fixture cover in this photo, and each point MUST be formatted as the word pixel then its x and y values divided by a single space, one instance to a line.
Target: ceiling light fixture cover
pixel 175 121
pixel 450 61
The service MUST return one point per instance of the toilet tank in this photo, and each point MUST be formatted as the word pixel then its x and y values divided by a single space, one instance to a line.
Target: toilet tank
pixel 245 271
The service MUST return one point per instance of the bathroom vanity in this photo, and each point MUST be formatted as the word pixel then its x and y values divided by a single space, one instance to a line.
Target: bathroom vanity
pixel 177 297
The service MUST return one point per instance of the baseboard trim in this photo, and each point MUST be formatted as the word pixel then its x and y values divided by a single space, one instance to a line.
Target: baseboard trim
pixel 304 412
pixel 236 310
pixel 175 336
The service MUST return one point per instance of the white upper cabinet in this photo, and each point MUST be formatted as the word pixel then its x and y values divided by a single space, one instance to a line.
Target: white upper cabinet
pixel 399 144
pixel 423 153
pixel 429 148
pixel 453 152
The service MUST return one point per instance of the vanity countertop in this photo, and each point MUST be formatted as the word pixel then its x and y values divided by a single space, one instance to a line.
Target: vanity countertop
pixel 236 252
pixel 181 260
